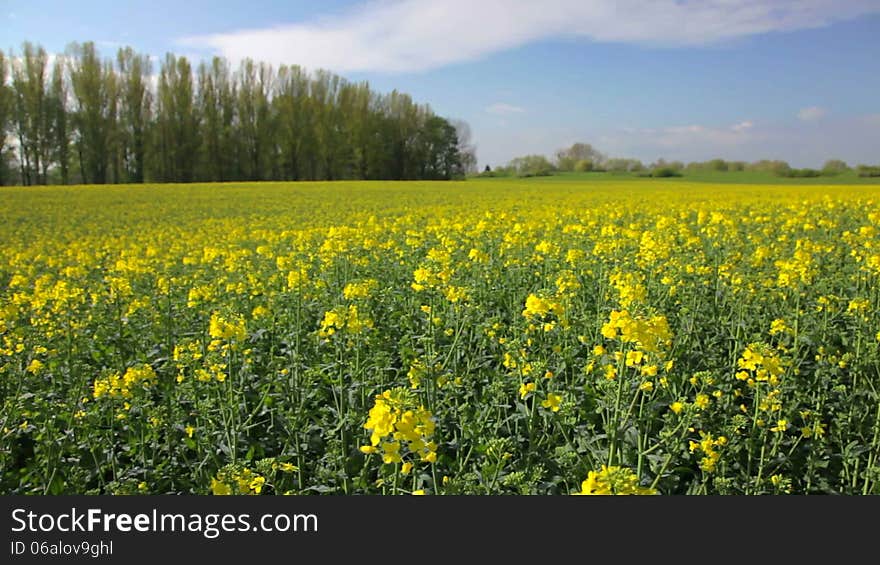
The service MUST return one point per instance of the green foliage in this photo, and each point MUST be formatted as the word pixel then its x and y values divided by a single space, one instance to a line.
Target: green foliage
pixel 799 173
pixel 717 165
pixel 621 165
pixel 530 166
pixel 665 172
pixel 578 155
pixel 776 167
pixel 94 87
pixel 101 122
pixel 6 110
pixel 868 171
pixel 133 128
pixel 834 167
pixel 32 124
pixel 584 166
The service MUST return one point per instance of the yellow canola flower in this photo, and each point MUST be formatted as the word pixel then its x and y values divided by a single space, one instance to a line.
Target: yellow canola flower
pixel 613 480
pixel 396 420
pixel 122 386
pixel 649 334
pixel 227 327
pixel 220 488
pixel 350 319
pixel 360 289
pixel 552 402
pixel 537 307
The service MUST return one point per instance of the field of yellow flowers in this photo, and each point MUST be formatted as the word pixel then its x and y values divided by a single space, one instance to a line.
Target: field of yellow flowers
pixel 481 337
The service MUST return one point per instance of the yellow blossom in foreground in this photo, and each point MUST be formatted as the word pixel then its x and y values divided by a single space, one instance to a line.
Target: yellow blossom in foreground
pixel 220 488
pixel 552 402
pixel 781 426
pixel 613 480
pixel 396 420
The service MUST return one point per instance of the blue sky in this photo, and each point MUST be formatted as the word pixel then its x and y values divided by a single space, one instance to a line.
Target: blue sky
pixel 677 79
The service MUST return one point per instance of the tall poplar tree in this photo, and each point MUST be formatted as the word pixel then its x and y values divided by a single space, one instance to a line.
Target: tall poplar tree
pixel 94 94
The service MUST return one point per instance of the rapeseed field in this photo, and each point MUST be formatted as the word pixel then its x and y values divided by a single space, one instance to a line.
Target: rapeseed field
pixel 477 337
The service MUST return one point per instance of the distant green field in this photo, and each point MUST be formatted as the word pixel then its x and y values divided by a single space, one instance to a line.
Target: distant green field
pixel 743 177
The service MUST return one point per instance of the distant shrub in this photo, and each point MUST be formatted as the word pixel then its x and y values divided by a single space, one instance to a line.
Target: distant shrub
pixel 531 166
pixel 497 172
pixel 868 171
pixel 776 167
pixel 713 166
pixel 621 165
pixel 799 173
pixel 719 165
pixel 834 167
pixel 664 172
pixel 584 166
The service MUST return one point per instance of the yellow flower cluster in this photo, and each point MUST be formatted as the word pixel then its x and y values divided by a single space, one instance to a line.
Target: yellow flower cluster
pixel 759 363
pixel 648 334
pixel 707 445
pixel 395 419
pixel 116 386
pixel 417 370
pixel 567 283
pixel 229 328
pixel 238 479
pixel 629 287
pixel 538 307
pixel 244 481
pixel 552 402
pixel 425 277
pixel 359 289
pixel 341 318
pixel 800 269
pixel 778 326
pixel 613 480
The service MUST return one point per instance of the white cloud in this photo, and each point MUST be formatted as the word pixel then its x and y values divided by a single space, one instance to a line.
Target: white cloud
pixel 19 61
pixel 677 138
pixel 504 109
pixel 415 35
pixel 742 126
pixel 851 138
pixel 810 114
pixel 802 144
pixel 695 142
pixel 112 45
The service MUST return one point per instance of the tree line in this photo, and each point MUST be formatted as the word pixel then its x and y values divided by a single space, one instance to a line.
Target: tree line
pixel 81 118
pixel 583 157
